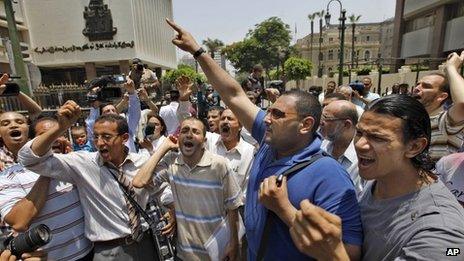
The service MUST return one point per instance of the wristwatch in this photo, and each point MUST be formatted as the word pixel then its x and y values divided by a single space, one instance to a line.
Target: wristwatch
pixel 198 52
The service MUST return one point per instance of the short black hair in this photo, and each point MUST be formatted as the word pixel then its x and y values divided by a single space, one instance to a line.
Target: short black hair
pixel 198 120
pixel 39 119
pixel 123 127
pixel 306 105
pixel 416 122
pixel 220 109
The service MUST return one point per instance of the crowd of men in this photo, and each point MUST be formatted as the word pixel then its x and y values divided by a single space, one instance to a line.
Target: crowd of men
pixel 345 175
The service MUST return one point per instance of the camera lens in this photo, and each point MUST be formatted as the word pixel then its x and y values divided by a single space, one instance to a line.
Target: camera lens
pixel 30 240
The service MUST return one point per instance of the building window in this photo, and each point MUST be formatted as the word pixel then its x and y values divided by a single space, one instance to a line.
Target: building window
pixel 368 38
pixel 420 23
pixel 367 55
pixel 331 55
pixel 331 39
pixel 355 39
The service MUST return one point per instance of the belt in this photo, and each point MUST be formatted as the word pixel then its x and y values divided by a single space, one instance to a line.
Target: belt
pixel 123 241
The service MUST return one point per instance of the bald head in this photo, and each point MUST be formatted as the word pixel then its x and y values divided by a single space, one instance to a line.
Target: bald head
pixel 346 91
pixel 344 110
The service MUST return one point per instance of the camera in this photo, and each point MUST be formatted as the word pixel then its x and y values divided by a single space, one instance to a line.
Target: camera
pixel 26 242
pixel 136 72
pixel 12 88
pixel 357 86
pixel 105 92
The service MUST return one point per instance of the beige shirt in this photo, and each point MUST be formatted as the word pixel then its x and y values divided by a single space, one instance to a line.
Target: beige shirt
pixel 447 136
pixel 202 195
pixel 103 203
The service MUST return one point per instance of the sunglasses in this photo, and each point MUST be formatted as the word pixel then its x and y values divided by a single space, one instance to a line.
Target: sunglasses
pixel 277 114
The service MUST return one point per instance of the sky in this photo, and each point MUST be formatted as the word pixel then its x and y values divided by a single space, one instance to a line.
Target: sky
pixel 229 21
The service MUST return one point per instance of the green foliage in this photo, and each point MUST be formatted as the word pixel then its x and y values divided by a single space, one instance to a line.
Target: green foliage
pixel 213 45
pixel 274 74
pixel 297 68
pixel 364 71
pixel 182 70
pixel 267 44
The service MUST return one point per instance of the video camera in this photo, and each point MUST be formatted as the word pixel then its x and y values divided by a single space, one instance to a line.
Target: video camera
pixel 105 92
pixel 26 242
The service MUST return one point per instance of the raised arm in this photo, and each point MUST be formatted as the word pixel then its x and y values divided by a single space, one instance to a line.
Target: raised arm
pixel 230 90
pixel 68 114
pixel 456 82
pixel 144 175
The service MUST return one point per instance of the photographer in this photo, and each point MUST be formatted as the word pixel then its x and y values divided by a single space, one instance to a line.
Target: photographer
pixel 27 102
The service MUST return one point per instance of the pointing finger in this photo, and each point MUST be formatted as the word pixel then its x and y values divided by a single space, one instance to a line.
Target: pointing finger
pixel 174 26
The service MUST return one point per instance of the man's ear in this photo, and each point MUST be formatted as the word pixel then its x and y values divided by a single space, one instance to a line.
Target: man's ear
pixel 125 137
pixel 442 97
pixel 415 147
pixel 307 125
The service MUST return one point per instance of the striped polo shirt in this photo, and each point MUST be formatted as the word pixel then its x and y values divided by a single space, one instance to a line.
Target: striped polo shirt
pixel 62 212
pixel 447 136
pixel 202 196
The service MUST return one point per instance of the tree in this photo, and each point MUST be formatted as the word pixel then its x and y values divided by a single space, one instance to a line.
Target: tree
pixel 213 45
pixel 297 69
pixel 182 70
pixel 243 55
pixel 262 45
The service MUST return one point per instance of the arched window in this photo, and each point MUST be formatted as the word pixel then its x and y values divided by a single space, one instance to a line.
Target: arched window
pixel 331 55
pixel 367 55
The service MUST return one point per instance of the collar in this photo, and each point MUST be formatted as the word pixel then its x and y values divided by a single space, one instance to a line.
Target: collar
pixel 349 154
pixel 205 161
pixel 239 147
pixel 303 154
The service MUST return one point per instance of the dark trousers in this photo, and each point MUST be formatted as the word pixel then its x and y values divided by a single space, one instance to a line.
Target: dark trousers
pixel 138 251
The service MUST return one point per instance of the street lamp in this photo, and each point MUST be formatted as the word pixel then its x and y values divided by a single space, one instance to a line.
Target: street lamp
pixel 342 19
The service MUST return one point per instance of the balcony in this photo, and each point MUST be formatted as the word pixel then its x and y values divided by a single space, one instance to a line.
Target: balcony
pixel 417 43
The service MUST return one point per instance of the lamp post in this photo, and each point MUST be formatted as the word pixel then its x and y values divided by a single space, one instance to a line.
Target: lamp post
pixel 342 20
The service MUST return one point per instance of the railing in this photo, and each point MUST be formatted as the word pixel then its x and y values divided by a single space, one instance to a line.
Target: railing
pixel 49 97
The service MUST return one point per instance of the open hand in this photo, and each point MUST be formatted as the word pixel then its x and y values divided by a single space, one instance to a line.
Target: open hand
pixel 185 87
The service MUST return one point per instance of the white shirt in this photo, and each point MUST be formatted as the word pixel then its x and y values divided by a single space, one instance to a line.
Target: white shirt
pixel 371 96
pixel 349 161
pixel 240 159
pixel 450 169
pixel 62 212
pixel 102 199
pixel 169 115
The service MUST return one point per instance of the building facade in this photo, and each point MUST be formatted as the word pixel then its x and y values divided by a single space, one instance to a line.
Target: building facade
pixel 368 44
pixel 74 40
pixel 427 29
pixel 23 33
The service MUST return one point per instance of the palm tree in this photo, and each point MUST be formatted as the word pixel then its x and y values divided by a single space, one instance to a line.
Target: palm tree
pixel 311 18
pixel 321 16
pixel 353 20
pixel 213 45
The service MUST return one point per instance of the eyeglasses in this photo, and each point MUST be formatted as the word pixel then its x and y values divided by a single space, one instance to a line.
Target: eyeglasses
pixel 105 137
pixel 325 118
pixel 277 114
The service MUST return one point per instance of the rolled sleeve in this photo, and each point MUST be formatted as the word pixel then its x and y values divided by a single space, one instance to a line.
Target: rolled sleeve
pixel 10 193
pixel 49 165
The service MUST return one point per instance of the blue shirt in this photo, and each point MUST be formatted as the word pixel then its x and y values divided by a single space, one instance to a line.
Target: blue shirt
pixel 325 183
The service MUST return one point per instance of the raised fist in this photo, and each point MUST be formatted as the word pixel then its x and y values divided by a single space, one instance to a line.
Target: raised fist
pixel 68 114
